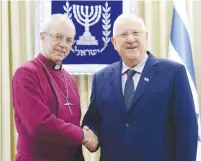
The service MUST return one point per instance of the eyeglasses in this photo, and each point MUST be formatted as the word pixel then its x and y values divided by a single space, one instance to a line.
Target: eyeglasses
pixel 59 38
pixel 134 34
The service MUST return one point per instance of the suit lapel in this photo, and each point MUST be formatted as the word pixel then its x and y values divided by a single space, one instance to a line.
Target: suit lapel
pixel 116 84
pixel 148 73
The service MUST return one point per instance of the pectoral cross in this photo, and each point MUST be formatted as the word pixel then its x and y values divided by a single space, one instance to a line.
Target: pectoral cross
pixel 69 104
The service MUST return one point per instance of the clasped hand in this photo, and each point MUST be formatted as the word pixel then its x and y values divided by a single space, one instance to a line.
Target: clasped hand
pixel 90 140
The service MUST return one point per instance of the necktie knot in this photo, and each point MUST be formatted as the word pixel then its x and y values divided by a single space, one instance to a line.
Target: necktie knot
pixel 130 73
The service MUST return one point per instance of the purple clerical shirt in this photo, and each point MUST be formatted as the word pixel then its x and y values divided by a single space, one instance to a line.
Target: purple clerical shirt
pixel 47 130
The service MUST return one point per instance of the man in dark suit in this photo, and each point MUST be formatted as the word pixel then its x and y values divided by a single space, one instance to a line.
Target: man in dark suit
pixel 141 107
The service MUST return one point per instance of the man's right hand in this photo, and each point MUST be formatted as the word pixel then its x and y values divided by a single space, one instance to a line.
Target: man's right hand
pixel 90 140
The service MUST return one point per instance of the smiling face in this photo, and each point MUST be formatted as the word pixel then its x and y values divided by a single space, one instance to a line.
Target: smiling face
pixel 58 41
pixel 130 39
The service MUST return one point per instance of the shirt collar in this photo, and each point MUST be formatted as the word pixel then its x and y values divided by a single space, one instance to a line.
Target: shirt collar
pixel 49 63
pixel 138 68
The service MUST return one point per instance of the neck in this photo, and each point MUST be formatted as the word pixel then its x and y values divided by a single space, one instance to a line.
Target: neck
pixel 46 55
pixel 133 63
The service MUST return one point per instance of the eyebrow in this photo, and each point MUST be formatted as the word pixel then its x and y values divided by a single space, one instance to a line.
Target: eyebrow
pixel 64 35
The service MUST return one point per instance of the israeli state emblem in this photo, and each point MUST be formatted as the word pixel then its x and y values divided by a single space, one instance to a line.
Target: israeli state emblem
pixel 93 22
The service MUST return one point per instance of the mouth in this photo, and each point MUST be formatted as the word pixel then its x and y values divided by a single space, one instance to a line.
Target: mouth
pixel 59 51
pixel 132 47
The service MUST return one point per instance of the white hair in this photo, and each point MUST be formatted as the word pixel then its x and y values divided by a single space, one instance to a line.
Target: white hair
pixel 130 17
pixel 55 18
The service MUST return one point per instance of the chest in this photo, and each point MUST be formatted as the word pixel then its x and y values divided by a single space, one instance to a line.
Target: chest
pixel 61 96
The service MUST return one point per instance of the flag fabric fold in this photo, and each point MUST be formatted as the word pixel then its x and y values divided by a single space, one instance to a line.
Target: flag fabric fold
pixel 180 51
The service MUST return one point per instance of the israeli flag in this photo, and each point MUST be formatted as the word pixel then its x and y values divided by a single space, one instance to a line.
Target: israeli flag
pixel 180 51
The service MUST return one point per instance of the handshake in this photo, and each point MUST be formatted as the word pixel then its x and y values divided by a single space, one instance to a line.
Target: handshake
pixel 90 140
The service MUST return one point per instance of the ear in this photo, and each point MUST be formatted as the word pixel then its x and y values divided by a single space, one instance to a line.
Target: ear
pixel 113 42
pixel 41 36
pixel 74 41
pixel 146 35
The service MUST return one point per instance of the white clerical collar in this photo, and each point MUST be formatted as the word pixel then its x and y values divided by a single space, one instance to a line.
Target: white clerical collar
pixel 57 67
pixel 49 63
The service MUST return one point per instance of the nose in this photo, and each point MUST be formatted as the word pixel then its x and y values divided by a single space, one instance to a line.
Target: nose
pixel 63 43
pixel 130 38
pixel 63 46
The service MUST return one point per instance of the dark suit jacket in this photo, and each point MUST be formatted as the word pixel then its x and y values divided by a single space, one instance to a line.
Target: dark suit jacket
pixel 160 124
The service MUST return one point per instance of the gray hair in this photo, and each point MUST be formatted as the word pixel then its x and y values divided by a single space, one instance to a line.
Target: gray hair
pixel 120 19
pixel 54 18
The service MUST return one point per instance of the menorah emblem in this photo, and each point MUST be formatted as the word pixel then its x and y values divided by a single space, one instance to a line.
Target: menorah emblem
pixel 87 19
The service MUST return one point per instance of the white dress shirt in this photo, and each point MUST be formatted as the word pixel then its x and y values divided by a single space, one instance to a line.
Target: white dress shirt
pixel 138 68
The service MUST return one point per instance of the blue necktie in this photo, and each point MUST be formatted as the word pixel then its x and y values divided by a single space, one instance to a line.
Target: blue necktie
pixel 129 87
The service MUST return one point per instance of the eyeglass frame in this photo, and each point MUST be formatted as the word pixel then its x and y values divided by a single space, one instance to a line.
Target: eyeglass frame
pixel 61 37
pixel 125 35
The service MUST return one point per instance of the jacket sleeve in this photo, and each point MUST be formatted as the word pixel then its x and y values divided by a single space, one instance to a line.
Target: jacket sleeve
pixel 185 121
pixel 35 116
pixel 92 117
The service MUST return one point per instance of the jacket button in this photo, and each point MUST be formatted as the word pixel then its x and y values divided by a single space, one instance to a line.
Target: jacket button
pixel 127 125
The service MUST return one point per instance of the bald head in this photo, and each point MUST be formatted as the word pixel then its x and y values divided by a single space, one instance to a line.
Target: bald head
pixel 126 19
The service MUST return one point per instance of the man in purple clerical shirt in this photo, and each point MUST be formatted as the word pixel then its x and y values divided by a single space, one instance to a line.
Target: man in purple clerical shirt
pixel 46 101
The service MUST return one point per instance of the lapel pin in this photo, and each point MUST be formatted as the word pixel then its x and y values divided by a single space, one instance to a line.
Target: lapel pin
pixel 146 79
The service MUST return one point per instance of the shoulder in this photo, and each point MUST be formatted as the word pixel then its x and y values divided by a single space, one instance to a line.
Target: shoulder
pixel 169 65
pixel 163 62
pixel 167 62
pixel 169 68
pixel 29 68
pixel 108 69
